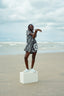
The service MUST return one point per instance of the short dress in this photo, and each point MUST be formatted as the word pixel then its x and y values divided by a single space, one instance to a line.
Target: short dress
pixel 31 45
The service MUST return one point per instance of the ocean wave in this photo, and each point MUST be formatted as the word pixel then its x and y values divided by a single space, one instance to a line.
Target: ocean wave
pixel 12 43
pixel 40 44
pixel 18 47
pixel 25 42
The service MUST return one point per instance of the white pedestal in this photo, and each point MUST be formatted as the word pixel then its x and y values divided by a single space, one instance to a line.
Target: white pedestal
pixel 28 77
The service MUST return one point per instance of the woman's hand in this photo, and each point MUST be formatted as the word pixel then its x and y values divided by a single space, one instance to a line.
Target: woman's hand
pixel 38 30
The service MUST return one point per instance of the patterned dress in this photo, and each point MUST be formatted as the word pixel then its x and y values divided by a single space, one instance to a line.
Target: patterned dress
pixel 31 43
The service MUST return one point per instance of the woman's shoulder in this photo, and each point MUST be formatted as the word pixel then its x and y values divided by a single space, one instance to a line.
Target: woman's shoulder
pixel 28 32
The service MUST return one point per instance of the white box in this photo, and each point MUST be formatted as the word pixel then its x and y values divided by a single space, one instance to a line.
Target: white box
pixel 28 77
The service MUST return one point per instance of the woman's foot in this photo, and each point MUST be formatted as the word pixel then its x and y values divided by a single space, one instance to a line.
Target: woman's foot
pixel 26 70
pixel 32 70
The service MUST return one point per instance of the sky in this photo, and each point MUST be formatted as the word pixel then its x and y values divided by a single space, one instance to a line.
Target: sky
pixel 16 15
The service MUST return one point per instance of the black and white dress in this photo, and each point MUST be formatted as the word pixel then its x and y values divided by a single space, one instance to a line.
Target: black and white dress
pixel 31 43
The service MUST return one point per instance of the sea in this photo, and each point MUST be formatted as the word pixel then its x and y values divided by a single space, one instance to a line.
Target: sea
pixel 17 48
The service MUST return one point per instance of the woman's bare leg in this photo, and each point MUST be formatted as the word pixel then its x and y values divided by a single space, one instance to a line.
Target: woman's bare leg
pixel 33 59
pixel 26 59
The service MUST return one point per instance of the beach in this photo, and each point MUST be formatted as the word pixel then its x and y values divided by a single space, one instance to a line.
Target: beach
pixel 50 67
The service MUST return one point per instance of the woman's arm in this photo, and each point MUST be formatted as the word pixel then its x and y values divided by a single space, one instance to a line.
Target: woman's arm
pixel 34 34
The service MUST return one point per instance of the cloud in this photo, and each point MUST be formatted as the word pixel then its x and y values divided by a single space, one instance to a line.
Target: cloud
pixel 16 10
pixel 46 13
pixel 38 10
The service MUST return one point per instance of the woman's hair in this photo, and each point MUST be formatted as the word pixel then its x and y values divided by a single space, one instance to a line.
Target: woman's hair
pixel 29 26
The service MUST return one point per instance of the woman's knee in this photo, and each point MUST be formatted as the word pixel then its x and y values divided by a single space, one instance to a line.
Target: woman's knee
pixel 25 57
pixel 33 56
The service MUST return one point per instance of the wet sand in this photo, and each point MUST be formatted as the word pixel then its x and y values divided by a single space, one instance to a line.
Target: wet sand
pixel 50 67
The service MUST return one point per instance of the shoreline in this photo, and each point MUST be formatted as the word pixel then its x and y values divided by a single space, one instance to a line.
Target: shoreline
pixel 37 53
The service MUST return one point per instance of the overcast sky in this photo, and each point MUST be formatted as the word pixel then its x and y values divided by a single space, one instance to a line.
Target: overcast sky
pixel 15 15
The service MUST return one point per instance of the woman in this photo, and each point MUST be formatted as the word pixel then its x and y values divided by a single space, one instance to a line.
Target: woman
pixel 31 47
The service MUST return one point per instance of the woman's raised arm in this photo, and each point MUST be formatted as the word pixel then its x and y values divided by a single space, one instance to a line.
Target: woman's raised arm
pixel 34 34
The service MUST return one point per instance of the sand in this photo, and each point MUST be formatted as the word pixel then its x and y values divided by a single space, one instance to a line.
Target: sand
pixel 50 67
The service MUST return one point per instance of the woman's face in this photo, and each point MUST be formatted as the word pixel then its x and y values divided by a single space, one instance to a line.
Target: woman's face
pixel 31 27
